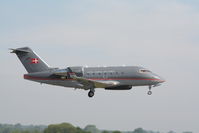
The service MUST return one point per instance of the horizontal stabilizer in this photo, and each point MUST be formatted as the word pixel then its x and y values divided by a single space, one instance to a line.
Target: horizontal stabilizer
pixel 19 50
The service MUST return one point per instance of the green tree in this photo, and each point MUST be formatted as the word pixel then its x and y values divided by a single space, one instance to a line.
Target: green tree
pixel 171 132
pixel 6 130
pixel 16 131
pixel 116 132
pixel 92 129
pixel 26 131
pixel 60 128
pixel 139 130
pixel 105 131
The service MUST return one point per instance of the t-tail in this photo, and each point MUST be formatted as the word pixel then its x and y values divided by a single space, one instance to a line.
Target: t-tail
pixel 31 61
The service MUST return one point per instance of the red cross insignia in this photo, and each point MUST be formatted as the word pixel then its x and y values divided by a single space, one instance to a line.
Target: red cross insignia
pixel 34 60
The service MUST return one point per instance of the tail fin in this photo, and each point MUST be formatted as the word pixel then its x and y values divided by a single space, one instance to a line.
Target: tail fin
pixel 31 61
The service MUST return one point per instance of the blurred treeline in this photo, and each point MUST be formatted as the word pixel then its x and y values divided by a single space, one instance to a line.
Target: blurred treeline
pixel 64 128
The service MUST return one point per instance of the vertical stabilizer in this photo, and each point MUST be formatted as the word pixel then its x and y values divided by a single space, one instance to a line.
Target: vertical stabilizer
pixel 31 61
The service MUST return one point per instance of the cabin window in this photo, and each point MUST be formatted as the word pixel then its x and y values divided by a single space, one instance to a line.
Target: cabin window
pixel 144 71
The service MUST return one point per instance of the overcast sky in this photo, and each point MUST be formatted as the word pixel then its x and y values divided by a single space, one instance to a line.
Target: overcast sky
pixel 161 35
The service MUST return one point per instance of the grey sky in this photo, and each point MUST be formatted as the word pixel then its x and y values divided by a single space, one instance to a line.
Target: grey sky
pixel 159 35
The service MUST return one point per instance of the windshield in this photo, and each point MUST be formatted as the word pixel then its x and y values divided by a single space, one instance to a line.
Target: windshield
pixel 144 71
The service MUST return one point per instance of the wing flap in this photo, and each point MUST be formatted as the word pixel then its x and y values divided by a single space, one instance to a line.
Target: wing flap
pixel 90 83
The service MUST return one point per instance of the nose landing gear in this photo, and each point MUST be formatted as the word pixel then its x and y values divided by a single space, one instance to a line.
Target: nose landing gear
pixel 91 93
pixel 149 92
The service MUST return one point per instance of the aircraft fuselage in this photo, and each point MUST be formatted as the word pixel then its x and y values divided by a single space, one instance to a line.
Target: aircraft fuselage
pixel 125 75
pixel 87 78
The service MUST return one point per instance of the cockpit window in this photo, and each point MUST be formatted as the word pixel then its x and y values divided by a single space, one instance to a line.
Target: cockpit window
pixel 144 71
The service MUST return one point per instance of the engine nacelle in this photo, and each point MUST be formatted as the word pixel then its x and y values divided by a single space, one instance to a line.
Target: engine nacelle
pixel 122 87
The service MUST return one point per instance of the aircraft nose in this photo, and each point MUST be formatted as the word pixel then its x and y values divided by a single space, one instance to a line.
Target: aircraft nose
pixel 159 79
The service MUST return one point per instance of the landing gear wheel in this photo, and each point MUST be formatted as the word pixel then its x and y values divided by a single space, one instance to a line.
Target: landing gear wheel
pixel 91 93
pixel 149 92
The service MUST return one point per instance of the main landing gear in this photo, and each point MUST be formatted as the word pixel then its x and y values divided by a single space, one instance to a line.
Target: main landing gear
pixel 149 92
pixel 91 93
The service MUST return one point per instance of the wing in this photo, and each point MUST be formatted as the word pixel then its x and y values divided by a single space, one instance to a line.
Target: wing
pixel 89 83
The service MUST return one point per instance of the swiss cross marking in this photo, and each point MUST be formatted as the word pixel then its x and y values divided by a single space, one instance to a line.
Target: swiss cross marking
pixel 34 60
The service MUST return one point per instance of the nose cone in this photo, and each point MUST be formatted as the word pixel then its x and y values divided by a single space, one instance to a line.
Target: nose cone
pixel 159 79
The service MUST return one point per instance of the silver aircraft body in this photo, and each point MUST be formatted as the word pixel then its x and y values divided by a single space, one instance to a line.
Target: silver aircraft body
pixel 87 78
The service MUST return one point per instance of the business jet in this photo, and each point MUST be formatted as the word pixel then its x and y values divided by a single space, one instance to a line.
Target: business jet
pixel 87 78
